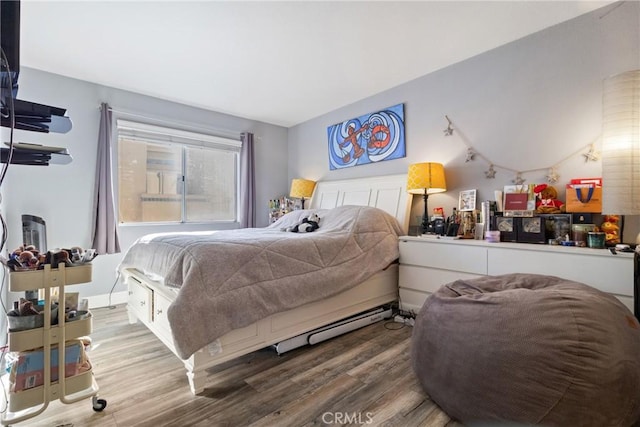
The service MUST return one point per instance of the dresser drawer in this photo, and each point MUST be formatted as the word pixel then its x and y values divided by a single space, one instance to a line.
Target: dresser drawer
pixel 429 279
pixel 140 299
pixel 417 283
pixel 440 255
pixel 609 273
pixel 160 306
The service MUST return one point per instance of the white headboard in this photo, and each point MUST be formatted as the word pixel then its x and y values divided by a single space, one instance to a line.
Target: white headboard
pixel 388 193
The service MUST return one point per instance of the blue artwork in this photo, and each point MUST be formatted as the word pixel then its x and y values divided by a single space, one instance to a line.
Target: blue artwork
pixel 366 139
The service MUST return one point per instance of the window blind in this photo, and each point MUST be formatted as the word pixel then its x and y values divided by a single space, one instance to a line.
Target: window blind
pixel 164 135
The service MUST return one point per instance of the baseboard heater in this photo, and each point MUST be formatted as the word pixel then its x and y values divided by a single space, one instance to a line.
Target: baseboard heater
pixel 334 329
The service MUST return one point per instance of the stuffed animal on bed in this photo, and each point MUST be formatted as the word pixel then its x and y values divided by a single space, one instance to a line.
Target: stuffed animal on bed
pixel 312 223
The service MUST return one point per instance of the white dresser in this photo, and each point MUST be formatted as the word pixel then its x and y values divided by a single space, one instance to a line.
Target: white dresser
pixel 426 263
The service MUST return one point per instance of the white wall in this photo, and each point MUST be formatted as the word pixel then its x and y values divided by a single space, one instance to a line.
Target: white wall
pixel 526 105
pixel 63 195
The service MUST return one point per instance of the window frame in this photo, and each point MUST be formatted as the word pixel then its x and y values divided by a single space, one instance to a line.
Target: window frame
pixel 172 137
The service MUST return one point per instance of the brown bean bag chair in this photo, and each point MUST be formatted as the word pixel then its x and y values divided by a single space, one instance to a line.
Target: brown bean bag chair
pixel 529 349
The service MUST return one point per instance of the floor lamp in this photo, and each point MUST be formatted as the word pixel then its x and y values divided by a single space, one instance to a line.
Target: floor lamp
pixel 621 155
pixel 301 189
pixel 425 179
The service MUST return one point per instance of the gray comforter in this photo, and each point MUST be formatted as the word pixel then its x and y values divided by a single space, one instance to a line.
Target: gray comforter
pixel 230 279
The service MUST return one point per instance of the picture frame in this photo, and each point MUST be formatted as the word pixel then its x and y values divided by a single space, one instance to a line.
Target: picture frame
pixel 467 225
pixel 557 226
pixel 531 229
pixel 467 200
pixel 506 225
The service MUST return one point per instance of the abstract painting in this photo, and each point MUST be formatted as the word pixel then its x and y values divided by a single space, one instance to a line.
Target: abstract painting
pixel 370 138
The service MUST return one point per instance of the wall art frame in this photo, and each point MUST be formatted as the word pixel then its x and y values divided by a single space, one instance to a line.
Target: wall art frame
pixel 370 138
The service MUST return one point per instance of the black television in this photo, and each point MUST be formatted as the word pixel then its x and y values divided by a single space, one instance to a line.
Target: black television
pixel 10 43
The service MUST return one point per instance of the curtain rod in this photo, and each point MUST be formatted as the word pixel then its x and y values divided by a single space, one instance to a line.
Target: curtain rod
pixel 214 131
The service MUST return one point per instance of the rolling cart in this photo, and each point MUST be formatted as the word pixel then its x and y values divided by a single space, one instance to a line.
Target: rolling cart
pixel 33 401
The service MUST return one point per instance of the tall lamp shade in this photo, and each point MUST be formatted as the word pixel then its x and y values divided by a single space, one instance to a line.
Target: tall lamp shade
pixel 621 156
pixel 426 178
pixel 621 144
pixel 302 189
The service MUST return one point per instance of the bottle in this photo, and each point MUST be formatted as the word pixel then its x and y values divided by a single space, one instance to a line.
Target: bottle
pixel 453 219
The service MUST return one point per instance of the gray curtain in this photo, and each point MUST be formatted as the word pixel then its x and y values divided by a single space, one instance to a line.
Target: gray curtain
pixel 105 229
pixel 247 182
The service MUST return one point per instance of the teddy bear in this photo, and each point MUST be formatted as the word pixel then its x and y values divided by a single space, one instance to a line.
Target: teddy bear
pixel 610 225
pixel 547 201
pixel 312 223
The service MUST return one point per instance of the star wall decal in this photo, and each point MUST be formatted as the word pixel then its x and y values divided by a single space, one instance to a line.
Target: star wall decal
pixel 491 173
pixel 519 180
pixel 470 155
pixel 449 130
pixel 552 176
pixel 591 155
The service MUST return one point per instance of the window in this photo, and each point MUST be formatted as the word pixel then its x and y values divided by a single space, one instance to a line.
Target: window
pixel 169 175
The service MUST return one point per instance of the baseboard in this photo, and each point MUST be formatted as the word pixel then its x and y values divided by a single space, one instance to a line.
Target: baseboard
pixel 97 301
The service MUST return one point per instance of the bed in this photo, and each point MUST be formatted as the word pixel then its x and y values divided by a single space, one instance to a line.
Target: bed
pixel 273 284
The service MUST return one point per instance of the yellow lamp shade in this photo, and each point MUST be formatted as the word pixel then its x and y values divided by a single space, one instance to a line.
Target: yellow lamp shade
pixel 302 188
pixel 426 176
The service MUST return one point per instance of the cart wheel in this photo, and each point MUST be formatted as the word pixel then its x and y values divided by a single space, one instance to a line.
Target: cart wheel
pixel 99 404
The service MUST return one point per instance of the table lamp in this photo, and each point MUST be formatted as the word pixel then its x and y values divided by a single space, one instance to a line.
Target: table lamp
pixel 301 189
pixel 426 178
pixel 621 155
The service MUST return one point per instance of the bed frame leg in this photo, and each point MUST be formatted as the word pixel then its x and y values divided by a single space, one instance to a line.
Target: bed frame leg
pixel 196 381
pixel 133 319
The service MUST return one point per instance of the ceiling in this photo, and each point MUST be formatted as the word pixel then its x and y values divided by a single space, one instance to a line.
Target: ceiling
pixel 277 62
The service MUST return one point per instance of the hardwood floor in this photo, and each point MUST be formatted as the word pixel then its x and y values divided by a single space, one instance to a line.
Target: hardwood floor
pixel 361 378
